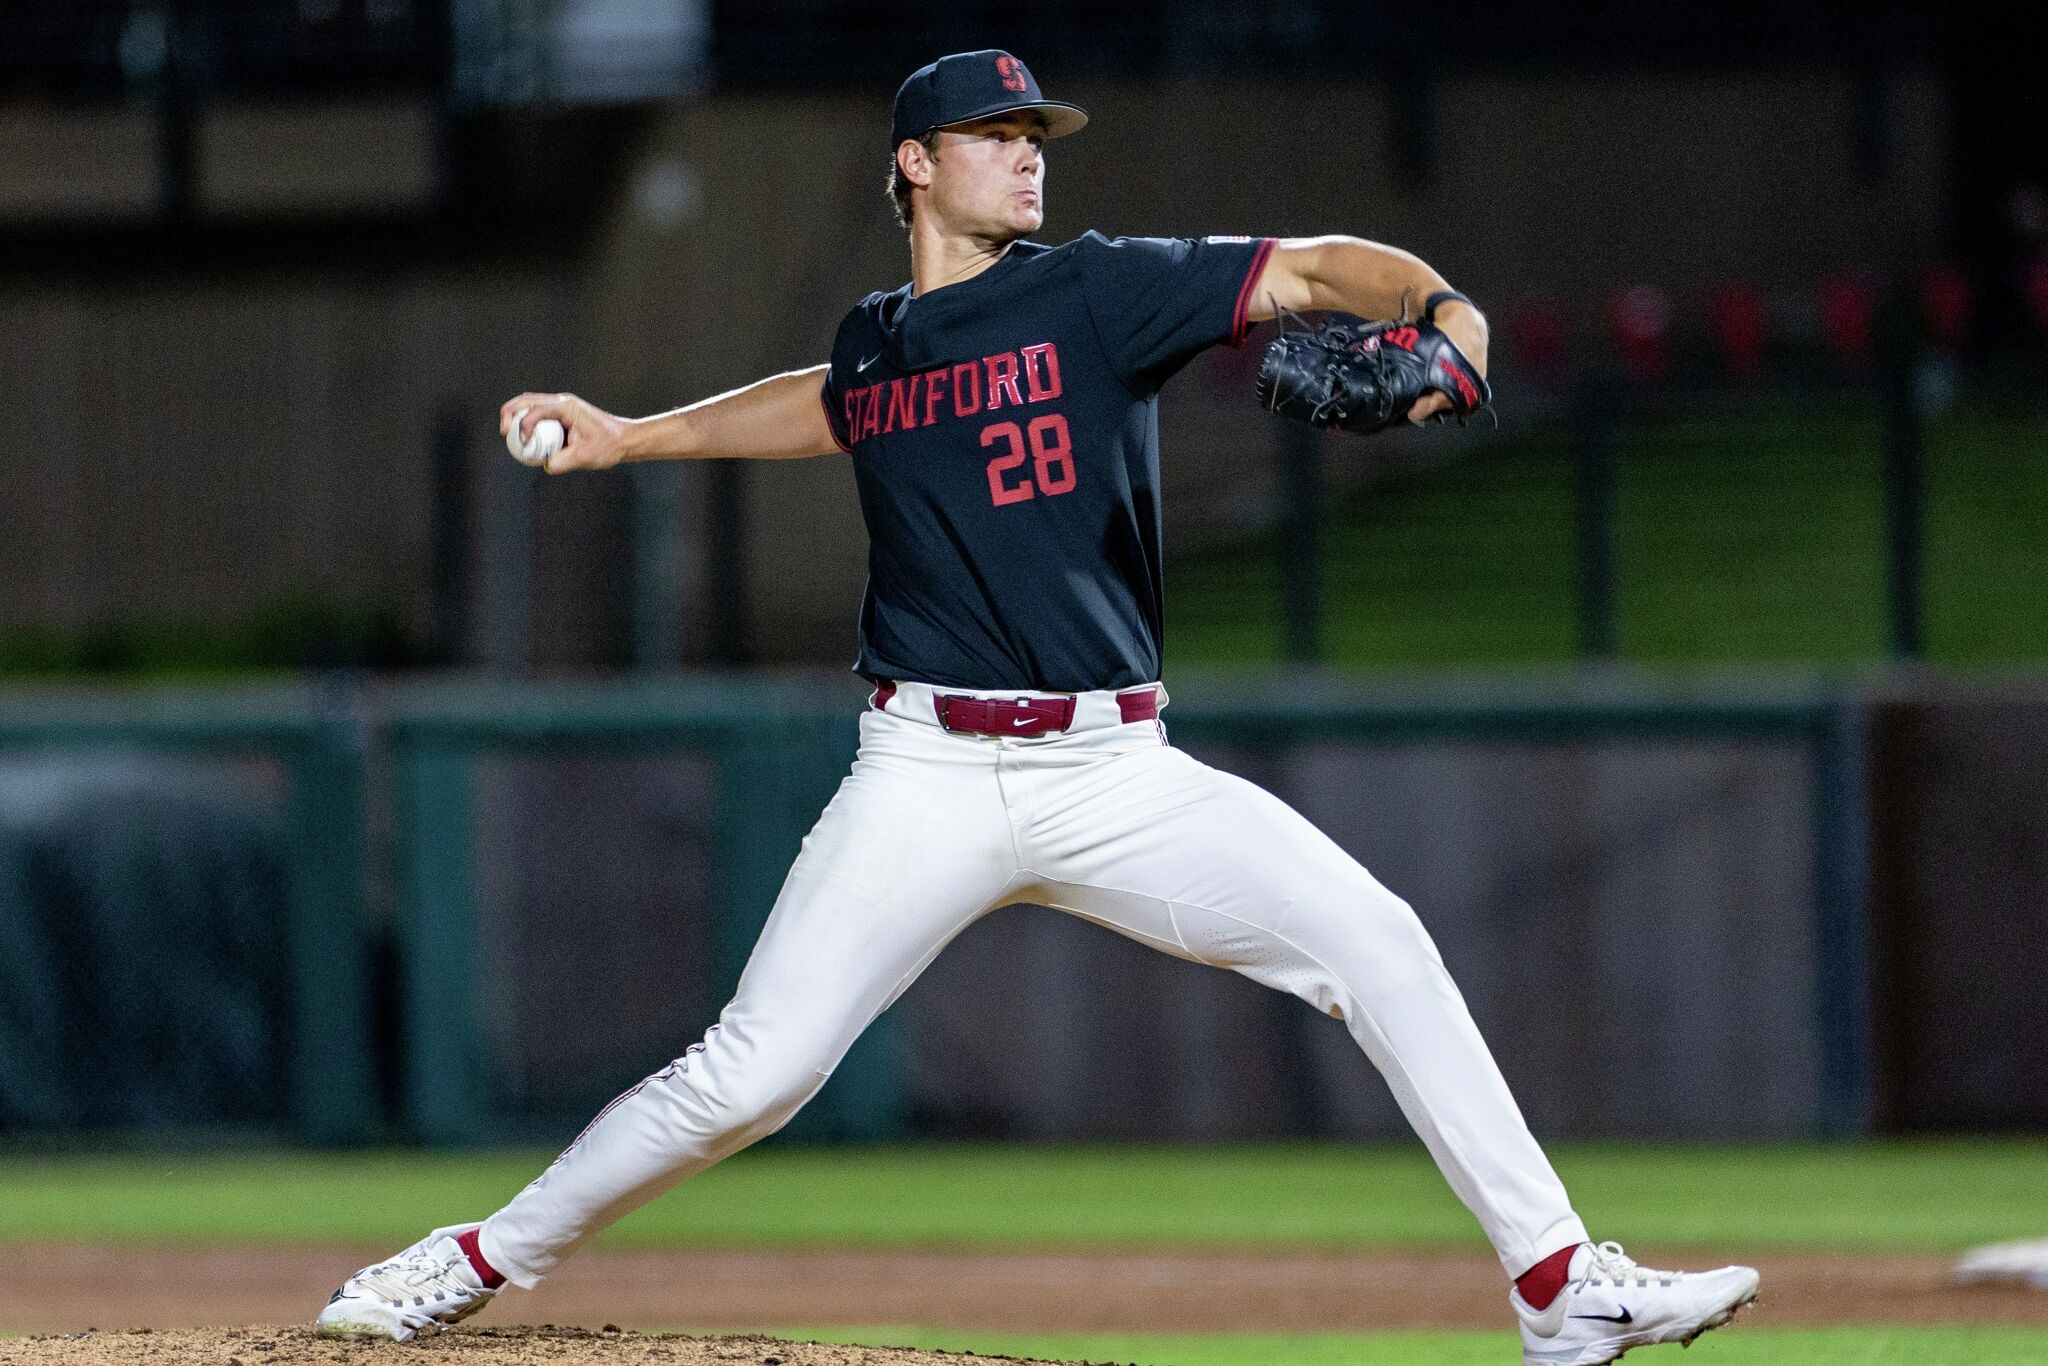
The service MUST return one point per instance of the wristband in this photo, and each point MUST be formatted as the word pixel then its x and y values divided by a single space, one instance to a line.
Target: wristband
pixel 1441 297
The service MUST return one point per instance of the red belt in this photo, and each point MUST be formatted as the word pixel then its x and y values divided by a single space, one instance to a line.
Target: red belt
pixel 1004 715
pixel 1023 715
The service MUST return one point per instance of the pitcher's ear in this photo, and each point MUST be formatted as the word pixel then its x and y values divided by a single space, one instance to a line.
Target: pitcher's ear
pixel 914 160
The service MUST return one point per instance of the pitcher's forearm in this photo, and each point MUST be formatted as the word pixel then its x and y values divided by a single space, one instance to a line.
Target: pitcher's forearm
pixel 778 418
pixel 1372 280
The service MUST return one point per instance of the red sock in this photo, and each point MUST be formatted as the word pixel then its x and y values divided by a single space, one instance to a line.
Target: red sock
pixel 1540 1283
pixel 485 1272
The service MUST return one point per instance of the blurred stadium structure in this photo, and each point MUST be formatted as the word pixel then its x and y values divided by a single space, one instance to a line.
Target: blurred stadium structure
pixel 1770 297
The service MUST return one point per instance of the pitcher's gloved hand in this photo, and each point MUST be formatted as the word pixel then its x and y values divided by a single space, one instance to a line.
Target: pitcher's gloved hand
pixel 1364 377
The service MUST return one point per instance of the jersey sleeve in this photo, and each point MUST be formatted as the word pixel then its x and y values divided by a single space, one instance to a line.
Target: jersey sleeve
pixel 833 395
pixel 1157 301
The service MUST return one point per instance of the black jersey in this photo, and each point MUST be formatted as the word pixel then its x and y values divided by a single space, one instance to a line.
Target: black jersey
pixel 1005 438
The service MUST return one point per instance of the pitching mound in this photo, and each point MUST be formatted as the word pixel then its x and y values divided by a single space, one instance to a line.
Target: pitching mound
pixel 543 1346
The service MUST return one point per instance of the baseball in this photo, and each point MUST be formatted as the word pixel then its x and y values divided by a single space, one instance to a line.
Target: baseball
pixel 546 440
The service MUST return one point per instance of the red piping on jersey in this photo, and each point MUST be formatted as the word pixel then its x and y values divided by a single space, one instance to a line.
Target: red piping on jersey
pixel 825 402
pixel 1239 325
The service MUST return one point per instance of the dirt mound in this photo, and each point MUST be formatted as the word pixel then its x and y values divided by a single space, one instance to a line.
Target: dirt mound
pixel 58 1289
pixel 546 1345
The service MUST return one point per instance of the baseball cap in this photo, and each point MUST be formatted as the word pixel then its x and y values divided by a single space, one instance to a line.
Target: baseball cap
pixel 974 85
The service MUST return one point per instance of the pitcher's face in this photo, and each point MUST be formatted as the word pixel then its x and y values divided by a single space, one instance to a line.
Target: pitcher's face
pixel 988 177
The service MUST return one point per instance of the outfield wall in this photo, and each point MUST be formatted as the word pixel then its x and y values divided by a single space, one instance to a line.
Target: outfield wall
pixel 1574 858
pixel 489 907
pixel 1959 909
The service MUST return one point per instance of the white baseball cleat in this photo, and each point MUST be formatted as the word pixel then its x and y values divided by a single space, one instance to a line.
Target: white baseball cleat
pixel 1609 1305
pixel 2021 1263
pixel 422 1290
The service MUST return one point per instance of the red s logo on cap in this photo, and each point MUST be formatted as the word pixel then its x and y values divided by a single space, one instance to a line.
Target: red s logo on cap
pixel 1012 72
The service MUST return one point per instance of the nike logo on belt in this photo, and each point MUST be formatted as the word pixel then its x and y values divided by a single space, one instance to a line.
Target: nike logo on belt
pixel 1017 721
pixel 1624 1317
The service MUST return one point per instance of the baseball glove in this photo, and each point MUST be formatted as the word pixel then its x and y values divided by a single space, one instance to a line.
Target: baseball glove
pixel 1364 377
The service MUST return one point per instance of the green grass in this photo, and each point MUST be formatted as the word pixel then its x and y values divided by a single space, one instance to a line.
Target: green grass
pixel 1928 1196
pixel 1748 539
pixel 1741 1345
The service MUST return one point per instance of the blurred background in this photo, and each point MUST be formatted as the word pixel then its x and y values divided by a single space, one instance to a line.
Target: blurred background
pixel 359 785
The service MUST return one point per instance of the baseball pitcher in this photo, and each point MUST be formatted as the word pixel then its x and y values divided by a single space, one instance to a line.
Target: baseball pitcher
pixel 1000 414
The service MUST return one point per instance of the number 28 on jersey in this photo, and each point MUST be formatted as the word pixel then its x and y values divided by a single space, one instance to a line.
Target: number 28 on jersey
pixel 1031 455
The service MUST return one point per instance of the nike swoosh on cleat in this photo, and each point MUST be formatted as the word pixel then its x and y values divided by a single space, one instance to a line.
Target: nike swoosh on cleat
pixel 1624 1317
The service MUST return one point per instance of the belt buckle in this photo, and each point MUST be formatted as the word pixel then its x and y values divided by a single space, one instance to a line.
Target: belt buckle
pixel 960 714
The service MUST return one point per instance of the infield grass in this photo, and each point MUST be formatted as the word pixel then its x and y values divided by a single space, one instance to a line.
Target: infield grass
pixel 1903 1196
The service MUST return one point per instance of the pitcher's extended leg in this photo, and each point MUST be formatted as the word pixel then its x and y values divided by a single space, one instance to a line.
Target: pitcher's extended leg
pixel 1245 882
pixel 913 848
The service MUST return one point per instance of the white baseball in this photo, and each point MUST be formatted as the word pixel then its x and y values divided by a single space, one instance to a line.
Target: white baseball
pixel 546 440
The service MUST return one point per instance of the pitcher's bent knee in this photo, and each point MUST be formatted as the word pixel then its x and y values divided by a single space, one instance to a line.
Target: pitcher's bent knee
pixel 1375 935
pixel 758 1106
pixel 735 1087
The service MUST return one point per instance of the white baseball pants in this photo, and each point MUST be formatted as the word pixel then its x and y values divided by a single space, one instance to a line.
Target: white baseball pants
pixel 932 830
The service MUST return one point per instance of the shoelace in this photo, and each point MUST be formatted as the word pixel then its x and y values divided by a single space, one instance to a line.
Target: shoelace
pixel 415 1271
pixel 1611 1264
